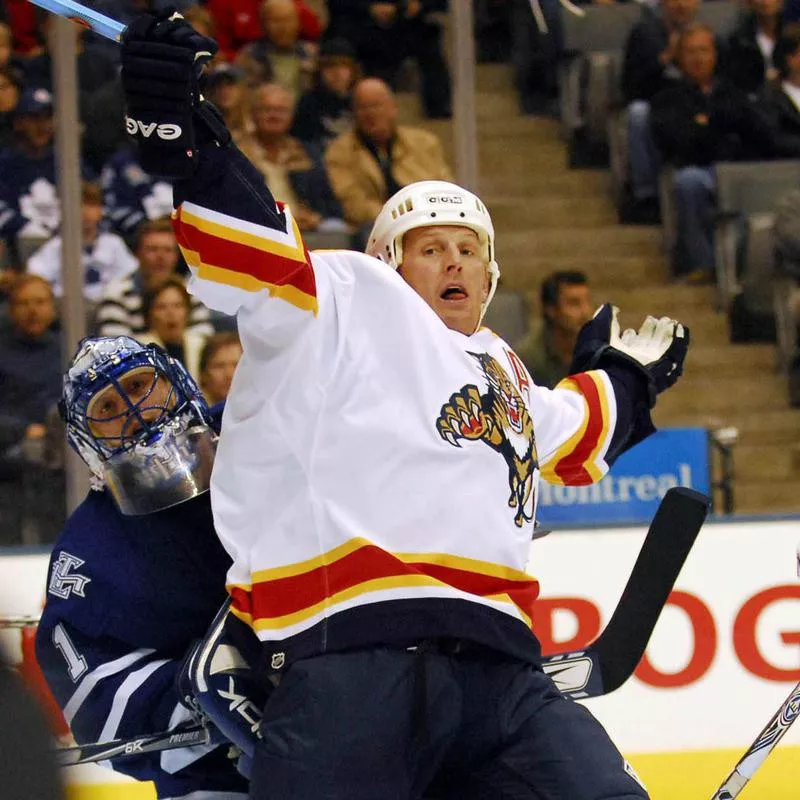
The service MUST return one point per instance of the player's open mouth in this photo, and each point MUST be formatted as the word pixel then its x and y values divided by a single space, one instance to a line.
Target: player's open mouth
pixel 453 293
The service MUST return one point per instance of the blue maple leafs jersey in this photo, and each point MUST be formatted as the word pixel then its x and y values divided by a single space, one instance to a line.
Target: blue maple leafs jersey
pixel 126 598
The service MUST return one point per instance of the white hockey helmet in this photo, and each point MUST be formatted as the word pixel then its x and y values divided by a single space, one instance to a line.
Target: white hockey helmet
pixel 427 203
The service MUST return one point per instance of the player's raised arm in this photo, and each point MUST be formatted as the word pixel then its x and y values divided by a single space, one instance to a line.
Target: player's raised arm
pixel 234 236
pixel 603 407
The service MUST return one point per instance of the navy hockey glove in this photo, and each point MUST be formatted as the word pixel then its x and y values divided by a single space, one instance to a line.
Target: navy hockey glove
pixel 224 689
pixel 658 349
pixel 162 58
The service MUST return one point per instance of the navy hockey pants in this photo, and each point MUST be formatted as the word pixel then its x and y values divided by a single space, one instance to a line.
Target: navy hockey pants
pixel 395 724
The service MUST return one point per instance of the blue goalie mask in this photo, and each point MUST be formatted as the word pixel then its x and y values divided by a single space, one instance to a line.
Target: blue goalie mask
pixel 137 418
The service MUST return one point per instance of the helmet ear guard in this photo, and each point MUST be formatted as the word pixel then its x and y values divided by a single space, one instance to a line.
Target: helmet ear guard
pixel 427 203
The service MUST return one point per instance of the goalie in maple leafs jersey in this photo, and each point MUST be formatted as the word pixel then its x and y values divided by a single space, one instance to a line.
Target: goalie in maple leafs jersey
pixel 375 482
pixel 137 574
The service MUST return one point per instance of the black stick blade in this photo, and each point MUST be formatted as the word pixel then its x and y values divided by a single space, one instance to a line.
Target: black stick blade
pixel 670 538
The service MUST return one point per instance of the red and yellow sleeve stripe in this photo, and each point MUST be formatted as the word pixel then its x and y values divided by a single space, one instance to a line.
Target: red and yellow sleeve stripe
pixel 233 252
pixel 579 460
pixel 292 598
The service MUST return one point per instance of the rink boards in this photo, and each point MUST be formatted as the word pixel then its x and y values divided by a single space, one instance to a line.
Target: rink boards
pixel 724 655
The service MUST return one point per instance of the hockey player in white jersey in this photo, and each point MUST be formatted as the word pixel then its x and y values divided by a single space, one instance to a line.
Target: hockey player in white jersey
pixel 375 482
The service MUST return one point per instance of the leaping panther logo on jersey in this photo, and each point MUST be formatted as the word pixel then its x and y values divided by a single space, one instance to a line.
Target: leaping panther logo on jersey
pixel 500 419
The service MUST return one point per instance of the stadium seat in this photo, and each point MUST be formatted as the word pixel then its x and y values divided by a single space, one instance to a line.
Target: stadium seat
pixel 721 17
pixel 589 76
pixel 746 196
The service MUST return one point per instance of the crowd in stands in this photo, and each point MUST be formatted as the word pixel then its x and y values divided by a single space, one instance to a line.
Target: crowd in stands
pixel 307 89
pixel 695 99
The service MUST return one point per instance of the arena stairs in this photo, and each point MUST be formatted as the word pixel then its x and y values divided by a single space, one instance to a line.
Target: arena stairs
pixel 549 217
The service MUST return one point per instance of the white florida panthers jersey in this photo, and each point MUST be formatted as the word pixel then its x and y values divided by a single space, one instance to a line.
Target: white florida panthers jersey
pixel 376 474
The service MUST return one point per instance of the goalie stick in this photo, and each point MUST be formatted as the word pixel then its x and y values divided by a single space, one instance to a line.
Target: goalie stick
pixel 765 743
pixel 611 659
pixel 599 669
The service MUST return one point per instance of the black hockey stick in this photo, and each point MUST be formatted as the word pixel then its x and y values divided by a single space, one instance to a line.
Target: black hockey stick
pixel 765 743
pixel 190 736
pixel 599 669
pixel 608 662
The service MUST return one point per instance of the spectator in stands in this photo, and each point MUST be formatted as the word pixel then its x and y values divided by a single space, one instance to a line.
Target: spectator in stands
pixel 369 164
pixel 292 175
pixel 226 90
pixel 279 55
pixel 535 55
pixel 95 69
pixel 6 45
pixel 7 57
pixel 131 195
pixel 105 256
pixel 120 312
pixel 385 34
pixel 9 97
pixel 783 98
pixel 30 372
pixel 548 347
pixel 325 111
pixel 649 66
pixel 238 22
pixel 748 58
pixel 166 310
pixel 21 18
pixel 218 361
pixel 29 205
pixel 699 121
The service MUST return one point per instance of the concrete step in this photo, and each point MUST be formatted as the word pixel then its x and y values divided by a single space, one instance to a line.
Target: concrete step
pixel 606 241
pixel 667 299
pixel 518 158
pixel 732 361
pixel 767 426
pixel 495 78
pixel 525 272
pixel 767 496
pixel 755 462
pixel 552 212
pixel 575 183
pixel 723 396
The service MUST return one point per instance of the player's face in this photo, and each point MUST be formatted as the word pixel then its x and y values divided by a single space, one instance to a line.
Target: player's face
pixel 111 417
pixel 445 267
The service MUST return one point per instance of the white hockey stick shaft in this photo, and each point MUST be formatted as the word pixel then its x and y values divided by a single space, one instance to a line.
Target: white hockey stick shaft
pixel 764 744
pixel 82 15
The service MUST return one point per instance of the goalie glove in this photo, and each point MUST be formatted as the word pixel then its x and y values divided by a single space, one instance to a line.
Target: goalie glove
pixel 658 349
pixel 162 60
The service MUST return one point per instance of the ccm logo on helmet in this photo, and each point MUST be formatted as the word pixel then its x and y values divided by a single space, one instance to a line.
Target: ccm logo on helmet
pixel 450 199
pixel 166 131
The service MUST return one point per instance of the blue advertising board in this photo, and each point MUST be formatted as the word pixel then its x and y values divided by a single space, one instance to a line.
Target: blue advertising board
pixel 635 484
